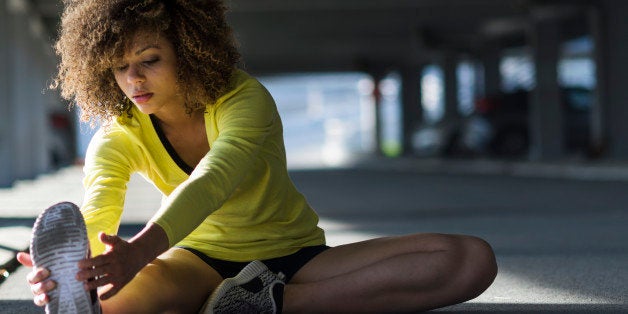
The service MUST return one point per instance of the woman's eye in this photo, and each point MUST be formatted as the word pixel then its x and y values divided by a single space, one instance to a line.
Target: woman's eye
pixel 151 61
pixel 121 68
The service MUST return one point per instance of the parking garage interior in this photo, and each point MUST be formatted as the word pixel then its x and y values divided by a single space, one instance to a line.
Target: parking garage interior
pixel 495 79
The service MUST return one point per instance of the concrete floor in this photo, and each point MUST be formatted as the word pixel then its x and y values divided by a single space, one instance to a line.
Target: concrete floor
pixel 561 244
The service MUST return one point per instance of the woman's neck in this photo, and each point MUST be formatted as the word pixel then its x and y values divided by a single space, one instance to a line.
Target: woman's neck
pixel 179 119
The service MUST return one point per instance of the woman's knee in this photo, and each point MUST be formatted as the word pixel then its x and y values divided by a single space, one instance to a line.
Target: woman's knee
pixel 469 255
pixel 465 266
pixel 480 266
pixel 468 263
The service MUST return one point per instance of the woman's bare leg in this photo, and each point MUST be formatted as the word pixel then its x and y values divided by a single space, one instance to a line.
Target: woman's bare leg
pixel 176 282
pixel 408 273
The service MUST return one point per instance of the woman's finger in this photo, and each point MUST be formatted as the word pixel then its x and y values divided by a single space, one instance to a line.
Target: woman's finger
pixel 94 262
pixel 43 287
pixel 37 275
pixel 41 300
pixel 25 259
pixel 96 283
pixel 94 272
pixel 110 240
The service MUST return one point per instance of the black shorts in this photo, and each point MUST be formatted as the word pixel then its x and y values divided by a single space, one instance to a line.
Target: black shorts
pixel 288 265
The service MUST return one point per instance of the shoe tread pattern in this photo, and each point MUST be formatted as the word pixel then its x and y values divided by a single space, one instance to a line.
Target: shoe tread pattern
pixel 58 242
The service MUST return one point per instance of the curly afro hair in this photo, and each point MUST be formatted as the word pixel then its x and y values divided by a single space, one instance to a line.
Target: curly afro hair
pixel 94 34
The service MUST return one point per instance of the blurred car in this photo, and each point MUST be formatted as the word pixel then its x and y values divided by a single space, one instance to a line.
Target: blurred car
pixel 61 141
pixel 499 125
pixel 436 139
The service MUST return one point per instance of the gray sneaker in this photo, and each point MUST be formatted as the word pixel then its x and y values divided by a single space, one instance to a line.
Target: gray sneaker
pixel 58 242
pixel 254 290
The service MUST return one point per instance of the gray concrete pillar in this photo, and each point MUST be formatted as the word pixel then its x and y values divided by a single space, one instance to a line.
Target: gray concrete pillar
pixel 25 100
pixel 545 112
pixel 377 76
pixel 24 130
pixel 491 58
pixel 40 127
pixel 450 85
pixel 6 121
pixel 412 110
pixel 616 76
pixel 599 105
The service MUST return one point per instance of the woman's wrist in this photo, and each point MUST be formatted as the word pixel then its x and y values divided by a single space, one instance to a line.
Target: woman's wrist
pixel 150 242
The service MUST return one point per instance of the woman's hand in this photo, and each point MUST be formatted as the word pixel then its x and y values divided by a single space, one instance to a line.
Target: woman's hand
pixel 114 268
pixel 122 260
pixel 37 279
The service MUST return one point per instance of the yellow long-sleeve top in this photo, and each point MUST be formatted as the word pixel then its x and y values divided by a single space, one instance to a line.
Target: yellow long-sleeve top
pixel 238 204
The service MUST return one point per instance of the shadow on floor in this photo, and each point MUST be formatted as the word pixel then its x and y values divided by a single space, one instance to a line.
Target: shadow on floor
pixel 534 308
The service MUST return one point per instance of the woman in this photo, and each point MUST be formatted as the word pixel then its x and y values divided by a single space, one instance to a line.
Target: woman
pixel 161 77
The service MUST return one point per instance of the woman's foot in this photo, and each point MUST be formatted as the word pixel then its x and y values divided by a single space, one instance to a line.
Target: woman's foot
pixel 254 290
pixel 58 243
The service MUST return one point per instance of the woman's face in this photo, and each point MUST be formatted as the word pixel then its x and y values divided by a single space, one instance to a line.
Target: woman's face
pixel 147 74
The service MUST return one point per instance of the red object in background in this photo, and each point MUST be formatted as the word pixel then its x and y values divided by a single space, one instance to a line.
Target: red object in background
pixel 485 105
pixel 59 121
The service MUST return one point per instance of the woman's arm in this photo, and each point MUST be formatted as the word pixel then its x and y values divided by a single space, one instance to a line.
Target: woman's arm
pixel 244 122
pixel 111 158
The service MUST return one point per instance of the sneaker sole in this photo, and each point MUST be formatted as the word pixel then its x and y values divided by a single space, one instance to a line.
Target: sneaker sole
pixel 58 242
pixel 248 273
